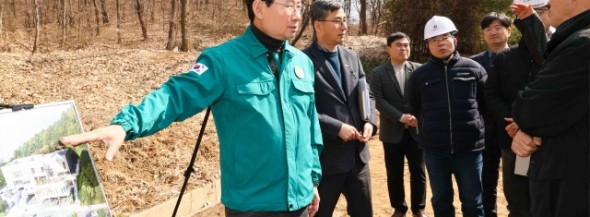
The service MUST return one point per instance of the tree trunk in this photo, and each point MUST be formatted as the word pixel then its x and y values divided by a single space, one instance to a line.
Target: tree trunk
pixel 139 9
pixel 63 21
pixel 375 16
pixel 1 15
pixel 118 22
pixel 153 11
pixel 183 26
pixel 70 14
pixel 36 26
pixel 172 28
pixel 96 17
pixel 105 14
pixel 363 17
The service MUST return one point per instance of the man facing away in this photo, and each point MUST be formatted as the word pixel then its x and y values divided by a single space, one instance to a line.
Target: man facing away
pixel 345 133
pixel 398 127
pixel 270 83
pixel 496 30
pixel 552 115
pixel 513 68
pixel 445 94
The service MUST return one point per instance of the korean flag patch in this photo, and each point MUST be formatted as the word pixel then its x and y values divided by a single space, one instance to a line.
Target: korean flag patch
pixel 198 68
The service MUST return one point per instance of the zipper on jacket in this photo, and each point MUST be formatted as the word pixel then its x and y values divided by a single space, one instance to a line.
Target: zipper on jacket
pixel 449 106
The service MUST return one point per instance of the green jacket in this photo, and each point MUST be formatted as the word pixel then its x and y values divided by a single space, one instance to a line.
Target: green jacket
pixel 269 134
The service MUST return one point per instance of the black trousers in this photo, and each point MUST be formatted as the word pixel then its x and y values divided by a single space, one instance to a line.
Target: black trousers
pixel 516 187
pixel 298 213
pixel 394 164
pixel 355 185
pixel 489 177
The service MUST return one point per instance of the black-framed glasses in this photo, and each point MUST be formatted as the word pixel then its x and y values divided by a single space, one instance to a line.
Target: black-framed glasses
pixel 336 21
pixel 291 6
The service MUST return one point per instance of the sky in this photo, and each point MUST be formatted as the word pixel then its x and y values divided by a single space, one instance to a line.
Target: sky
pixel 18 127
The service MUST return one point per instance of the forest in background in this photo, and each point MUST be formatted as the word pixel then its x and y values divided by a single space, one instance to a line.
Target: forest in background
pixel 181 24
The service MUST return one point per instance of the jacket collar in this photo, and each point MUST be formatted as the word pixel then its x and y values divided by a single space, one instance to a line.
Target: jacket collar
pixel 442 62
pixel 256 47
pixel 567 28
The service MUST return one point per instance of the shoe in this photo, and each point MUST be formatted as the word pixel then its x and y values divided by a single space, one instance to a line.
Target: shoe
pixel 419 214
pixel 398 214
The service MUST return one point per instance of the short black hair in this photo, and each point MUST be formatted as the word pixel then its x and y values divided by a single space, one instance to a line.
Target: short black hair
pixel 320 9
pixel 395 36
pixel 251 11
pixel 493 16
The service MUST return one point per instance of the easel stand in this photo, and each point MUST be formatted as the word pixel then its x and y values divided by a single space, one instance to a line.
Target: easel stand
pixel 189 170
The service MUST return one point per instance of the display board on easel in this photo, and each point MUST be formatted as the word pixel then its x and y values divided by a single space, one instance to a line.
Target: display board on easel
pixel 40 177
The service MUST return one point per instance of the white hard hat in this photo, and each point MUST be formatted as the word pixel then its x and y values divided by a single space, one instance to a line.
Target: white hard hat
pixel 438 25
pixel 534 3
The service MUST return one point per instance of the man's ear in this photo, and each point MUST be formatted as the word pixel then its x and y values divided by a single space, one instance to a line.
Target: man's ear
pixel 316 26
pixel 258 8
pixel 509 31
pixel 455 40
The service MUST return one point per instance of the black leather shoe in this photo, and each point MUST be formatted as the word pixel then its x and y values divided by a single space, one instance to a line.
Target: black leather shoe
pixel 398 214
pixel 419 214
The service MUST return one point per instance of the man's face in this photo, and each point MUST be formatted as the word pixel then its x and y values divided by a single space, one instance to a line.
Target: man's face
pixel 332 29
pixel 561 10
pixel 399 50
pixel 442 46
pixel 281 19
pixel 496 34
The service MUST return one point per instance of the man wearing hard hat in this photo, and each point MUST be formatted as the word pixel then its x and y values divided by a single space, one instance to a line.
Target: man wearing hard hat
pixel 446 95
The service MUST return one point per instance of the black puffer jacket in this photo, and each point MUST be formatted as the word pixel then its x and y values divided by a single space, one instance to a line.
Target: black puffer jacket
pixel 447 99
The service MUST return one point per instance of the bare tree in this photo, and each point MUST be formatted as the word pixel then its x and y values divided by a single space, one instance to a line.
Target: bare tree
pixel 70 14
pixel 375 15
pixel 63 23
pixel 172 29
pixel 183 26
pixel 153 11
pixel 139 9
pixel 118 21
pixel 1 14
pixel 363 17
pixel 96 17
pixel 105 14
pixel 36 5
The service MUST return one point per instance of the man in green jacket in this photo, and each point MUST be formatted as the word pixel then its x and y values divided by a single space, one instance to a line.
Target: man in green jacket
pixel 254 81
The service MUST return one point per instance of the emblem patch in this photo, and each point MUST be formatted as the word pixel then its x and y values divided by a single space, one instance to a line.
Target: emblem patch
pixel 299 72
pixel 199 68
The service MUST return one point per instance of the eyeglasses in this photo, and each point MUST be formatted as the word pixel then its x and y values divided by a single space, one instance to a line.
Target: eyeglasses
pixel 494 29
pixel 542 10
pixel 440 38
pixel 291 6
pixel 337 21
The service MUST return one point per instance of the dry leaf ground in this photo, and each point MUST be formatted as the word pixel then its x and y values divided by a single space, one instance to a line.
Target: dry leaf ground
pixel 101 77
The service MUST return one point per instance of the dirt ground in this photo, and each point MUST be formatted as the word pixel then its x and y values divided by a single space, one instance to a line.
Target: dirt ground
pixel 381 205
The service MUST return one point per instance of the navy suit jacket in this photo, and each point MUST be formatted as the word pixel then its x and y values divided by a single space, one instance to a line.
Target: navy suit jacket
pixel 339 105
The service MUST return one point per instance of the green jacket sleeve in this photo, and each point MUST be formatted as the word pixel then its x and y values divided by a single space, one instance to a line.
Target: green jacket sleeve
pixel 176 100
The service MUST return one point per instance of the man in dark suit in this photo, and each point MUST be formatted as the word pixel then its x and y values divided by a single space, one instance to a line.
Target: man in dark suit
pixel 338 72
pixel 398 127
pixel 496 31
